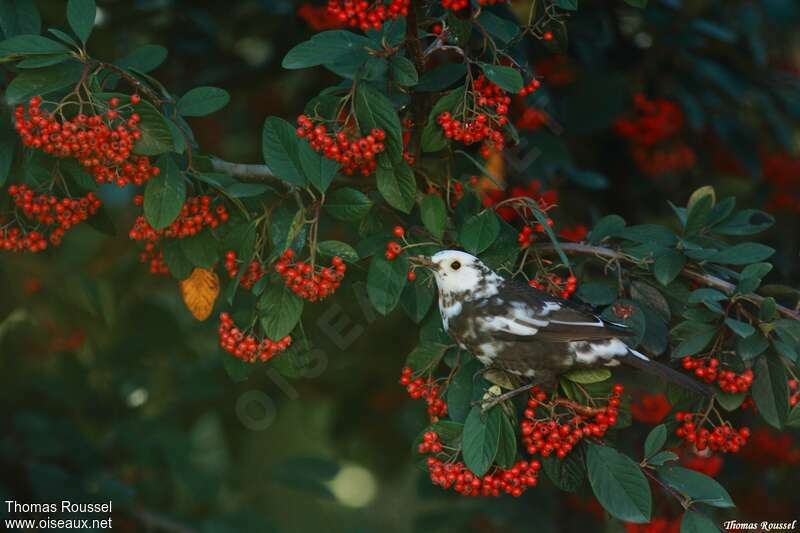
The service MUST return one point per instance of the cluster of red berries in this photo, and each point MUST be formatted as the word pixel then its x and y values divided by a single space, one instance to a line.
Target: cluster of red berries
pixel 64 213
pixel 13 239
pixel 782 171
pixel 527 236
pixel 367 15
pixel 308 282
pixel 430 443
pixel 546 200
pixel 531 118
pixel 482 130
pixel 247 347
pixel 197 213
pixel 708 370
pixel 652 135
pixel 556 285
pixel 254 272
pixel 514 481
pixel 655 120
pixel 794 397
pixel 318 18
pixel 530 88
pixel 393 248
pixel 102 143
pixel 575 233
pixel 425 389
pixel 768 448
pixel 490 95
pixel 651 408
pixel 676 158
pixel 557 433
pixel 354 154
pixel 722 438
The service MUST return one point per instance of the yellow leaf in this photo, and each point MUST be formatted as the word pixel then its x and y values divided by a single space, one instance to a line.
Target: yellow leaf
pixel 496 166
pixel 200 291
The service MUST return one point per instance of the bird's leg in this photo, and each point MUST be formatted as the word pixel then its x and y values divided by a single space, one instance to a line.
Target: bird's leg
pixel 488 403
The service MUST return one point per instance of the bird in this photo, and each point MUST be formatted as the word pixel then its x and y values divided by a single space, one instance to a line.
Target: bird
pixel 513 327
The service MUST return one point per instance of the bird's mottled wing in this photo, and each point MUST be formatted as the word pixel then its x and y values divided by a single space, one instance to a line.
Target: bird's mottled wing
pixel 534 315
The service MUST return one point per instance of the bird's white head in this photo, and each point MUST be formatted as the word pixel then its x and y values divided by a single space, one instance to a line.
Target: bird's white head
pixel 459 272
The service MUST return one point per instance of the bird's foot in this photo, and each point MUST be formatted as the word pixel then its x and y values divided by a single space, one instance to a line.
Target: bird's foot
pixel 491 400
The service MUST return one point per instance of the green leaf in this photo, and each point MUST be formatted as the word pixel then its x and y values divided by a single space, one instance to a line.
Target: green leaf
pixel 662 458
pixel 202 101
pixel 507 446
pixel 386 281
pixel 696 486
pixel 20 17
pixel 164 195
pixel 743 329
pixel 586 376
pixel 507 78
pixel 503 29
pixel 742 254
pixel 433 138
pixel 697 213
pixel 335 49
pixel 145 58
pixel 201 249
pixel 619 484
pixel 42 61
pixel 280 147
pixel 375 110
pixel 80 15
pixel 705 294
pixel 648 233
pixel 460 390
pixel 416 300
pixel 605 227
pixel 479 231
pixel 403 71
pixel 425 356
pixel 693 345
pixel 481 439
pixel 319 170
pixel 348 205
pixel 770 391
pixel 6 159
pixel 655 440
pixel 596 293
pixel 747 222
pixel 794 418
pixel 156 136
pixel 237 369
pixel 41 82
pixel 397 186
pixel 280 311
pixel 434 215
pixel 178 264
pixel 751 347
pixel 668 266
pixel 20 46
pixel 567 474
pixel 339 249
pixel 693 521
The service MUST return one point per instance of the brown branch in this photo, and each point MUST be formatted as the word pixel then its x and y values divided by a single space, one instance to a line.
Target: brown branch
pixel 705 279
pixel 246 172
pixel 420 103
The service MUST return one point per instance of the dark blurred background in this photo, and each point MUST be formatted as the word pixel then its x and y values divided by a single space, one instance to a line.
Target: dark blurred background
pixel 113 391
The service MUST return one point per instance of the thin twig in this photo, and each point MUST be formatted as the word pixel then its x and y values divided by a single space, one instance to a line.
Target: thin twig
pixel 705 279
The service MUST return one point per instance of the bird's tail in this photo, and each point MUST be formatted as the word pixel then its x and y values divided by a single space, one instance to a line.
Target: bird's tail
pixel 641 361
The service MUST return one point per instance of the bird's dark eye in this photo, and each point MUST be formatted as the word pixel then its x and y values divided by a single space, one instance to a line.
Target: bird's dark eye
pixel 455 265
